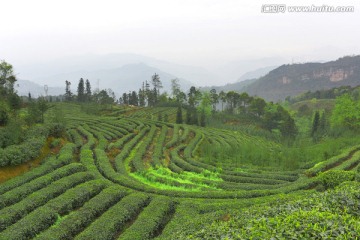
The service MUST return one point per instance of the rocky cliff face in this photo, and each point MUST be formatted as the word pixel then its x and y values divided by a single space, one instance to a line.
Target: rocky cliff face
pixel 290 80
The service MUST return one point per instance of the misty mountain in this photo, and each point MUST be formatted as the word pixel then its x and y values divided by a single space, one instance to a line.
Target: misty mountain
pixel 238 86
pixel 43 73
pixel 291 80
pixel 231 71
pixel 120 80
pixel 256 73
pixel 246 79
pixel 24 87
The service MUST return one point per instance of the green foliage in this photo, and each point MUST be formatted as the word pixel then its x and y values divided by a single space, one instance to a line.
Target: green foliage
pixel 13 213
pixel 326 93
pixel 7 79
pixel 50 164
pixel 45 216
pixel 11 134
pixel 4 113
pixel 333 178
pixel 329 215
pixel 37 110
pixel 27 150
pixel 76 221
pixel 159 180
pixel 316 123
pixel 346 154
pixel 115 219
pixel 81 91
pixel 151 220
pixel 15 195
pixel 346 112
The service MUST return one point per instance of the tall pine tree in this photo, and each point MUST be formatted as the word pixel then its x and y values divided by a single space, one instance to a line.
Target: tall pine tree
pixel 81 91
pixel 316 123
pixel 88 90
pixel 68 93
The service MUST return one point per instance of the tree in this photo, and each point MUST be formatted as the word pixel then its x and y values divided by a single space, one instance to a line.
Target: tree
pixel 205 104
pixel 179 118
pixel 346 112
pixel 188 116
pixel 288 127
pixel 141 97
pixel 214 98
pixel 194 117
pixel 202 119
pixel 81 91
pixel 315 124
pixel 244 99
pixel 177 94
pixel 323 123
pixel 232 98
pixel 163 98
pixel 194 96
pixel 257 107
pixel 43 106
pixel 175 87
pixel 125 99
pixel 37 110
pixel 68 93
pixel 111 94
pixel 134 100
pixel 14 101
pixel 103 98
pixel 271 117
pixel 4 114
pixel 148 93
pixel 155 79
pixel 7 79
pixel 88 90
pixel 222 96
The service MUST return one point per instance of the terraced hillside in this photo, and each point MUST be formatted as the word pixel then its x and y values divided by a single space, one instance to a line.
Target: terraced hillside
pixel 125 177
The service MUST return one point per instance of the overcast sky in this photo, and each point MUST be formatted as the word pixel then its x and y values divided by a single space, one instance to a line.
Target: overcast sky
pixel 193 32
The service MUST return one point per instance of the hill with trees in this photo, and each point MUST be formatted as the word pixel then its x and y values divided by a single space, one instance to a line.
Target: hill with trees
pixel 294 79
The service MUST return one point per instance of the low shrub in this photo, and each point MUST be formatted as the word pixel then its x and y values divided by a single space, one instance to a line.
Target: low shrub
pixel 333 178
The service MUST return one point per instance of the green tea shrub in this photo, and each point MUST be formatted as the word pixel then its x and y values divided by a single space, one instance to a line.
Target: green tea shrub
pixel 333 178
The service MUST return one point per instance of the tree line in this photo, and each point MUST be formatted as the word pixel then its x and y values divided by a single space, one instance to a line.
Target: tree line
pixel 332 93
pixel 200 105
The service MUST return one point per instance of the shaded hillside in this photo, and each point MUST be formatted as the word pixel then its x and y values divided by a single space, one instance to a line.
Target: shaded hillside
pixel 256 73
pixel 238 86
pixel 290 80
pixel 244 80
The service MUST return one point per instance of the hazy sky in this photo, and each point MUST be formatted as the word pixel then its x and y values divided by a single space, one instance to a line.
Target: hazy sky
pixel 192 32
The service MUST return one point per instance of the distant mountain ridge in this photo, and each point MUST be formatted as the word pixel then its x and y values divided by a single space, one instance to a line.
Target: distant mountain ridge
pixel 123 79
pixel 44 72
pixel 293 79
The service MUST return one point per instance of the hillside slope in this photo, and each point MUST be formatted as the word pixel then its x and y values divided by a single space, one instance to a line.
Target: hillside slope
pixel 290 80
